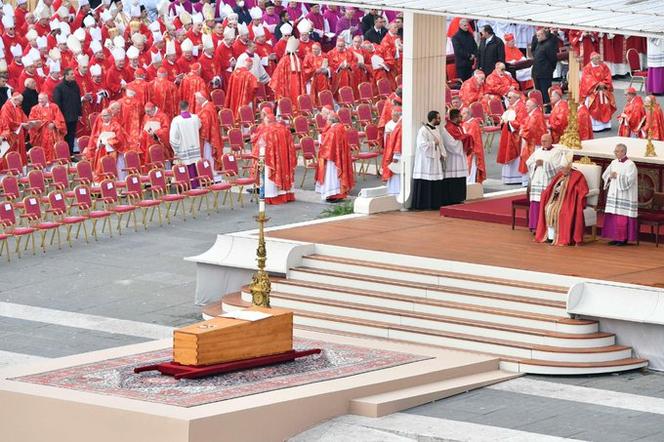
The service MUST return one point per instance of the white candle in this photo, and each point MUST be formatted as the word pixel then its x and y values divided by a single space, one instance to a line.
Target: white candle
pixel 261 151
pixel 261 206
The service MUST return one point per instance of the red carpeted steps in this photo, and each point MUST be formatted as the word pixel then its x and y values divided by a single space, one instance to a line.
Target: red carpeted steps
pixel 524 323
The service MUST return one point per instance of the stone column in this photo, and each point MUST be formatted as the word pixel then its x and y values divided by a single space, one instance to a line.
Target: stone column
pixel 425 39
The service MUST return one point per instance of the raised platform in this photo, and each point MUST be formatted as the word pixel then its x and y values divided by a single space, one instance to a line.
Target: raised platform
pixel 94 397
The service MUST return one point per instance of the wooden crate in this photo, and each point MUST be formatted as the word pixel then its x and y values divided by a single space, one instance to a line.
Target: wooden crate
pixel 225 339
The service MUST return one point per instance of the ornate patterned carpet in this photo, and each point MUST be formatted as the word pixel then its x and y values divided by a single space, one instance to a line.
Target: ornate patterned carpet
pixel 115 377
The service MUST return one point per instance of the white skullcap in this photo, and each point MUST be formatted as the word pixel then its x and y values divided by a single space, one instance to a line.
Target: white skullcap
pixel 304 26
pixel 197 18
pixel 256 13
pixel 286 29
pixel 95 70
pixel 170 48
pixel 207 41
pixel 242 29
pixel 42 42
pixel 83 60
pixel 54 24
pixel 259 31
pixel 232 17
pixel 95 46
pixel 187 45
pixel 80 34
pixel 132 52
pixel 88 21
pixel 118 54
pixel 7 21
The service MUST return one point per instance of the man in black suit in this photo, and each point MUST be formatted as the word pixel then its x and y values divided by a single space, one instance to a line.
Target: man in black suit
pixel 368 20
pixel 377 32
pixel 545 58
pixel 491 51
pixel 465 50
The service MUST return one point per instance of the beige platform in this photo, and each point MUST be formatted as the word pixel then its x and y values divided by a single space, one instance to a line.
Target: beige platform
pixel 38 413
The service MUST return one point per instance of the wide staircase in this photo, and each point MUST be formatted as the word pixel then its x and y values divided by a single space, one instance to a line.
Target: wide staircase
pixel 523 323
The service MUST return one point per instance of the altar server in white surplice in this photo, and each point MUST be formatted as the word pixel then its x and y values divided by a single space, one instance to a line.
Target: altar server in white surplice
pixel 622 199
pixel 185 139
pixel 428 167
pixel 457 145
pixel 543 165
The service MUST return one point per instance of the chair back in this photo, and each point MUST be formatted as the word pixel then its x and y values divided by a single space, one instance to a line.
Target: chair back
pixel 305 104
pixel 308 148
pixel 285 106
pixel 380 105
pixel 235 139
pixel 321 122
pixel 346 95
pixel 365 91
pixel 384 87
pixel 345 116
pixel 448 95
pixel 132 161
pixel 83 197
pixel 56 199
pixel 218 97
pixel 31 207
pixel 37 157
pixel 658 201
pixel 158 180
pixel 84 172
pixel 371 132
pixel 62 152
pixel 10 187
pixel 60 177
pixel 593 175
pixel 261 93
pixel 108 190
pixel 496 107
pixel 204 170
pixel 109 166
pixel 353 138
pixel 134 187
pixel 181 175
pixel 264 104
pixel 230 164
pixel 92 118
pixel 246 115
pixel 7 215
pixel 82 142
pixel 325 98
pixel 301 125
pixel 36 182
pixel 226 118
pixel 364 113
pixel 634 60
pixel 476 110
pixel 398 80
pixel 14 163
pixel 157 157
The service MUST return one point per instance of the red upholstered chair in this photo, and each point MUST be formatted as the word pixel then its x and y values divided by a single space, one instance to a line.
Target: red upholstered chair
pixel 92 117
pixel 366 92
pixel 266 104
pixel 159 189
pixel 60 212
pixel 237 145
pixel 109 170
pixel 380 104
pixel 301 126
pixel 492 122
pixel 36 185
pixel 109 196
pixel 226 119
pixel 135 195
pixel 62 156
pixel 4 243
pixel 364 114
pixel 14 163
pixel 218 98
pixel 321 122
pixel 346 96
pixel 653 218
pixel 158 159
pixel 372 138
pixel 83 143
pixel 33 213
pixel 206 179
pixel 345 117
pixel 182 183
pixel 247 117
pixel 521 204
pixel 285 107
pixel 85 207
pixel 84 175
pixel 61 181
pixel 10 190
pixel 133 165
pixel 261 93
pixel 309 156
pixel 10 227
pixel 636 72
pixel 231 171
pixel 305 105
pixel 384 88
pixel 325 98
pixel 37 158
pixel 359 156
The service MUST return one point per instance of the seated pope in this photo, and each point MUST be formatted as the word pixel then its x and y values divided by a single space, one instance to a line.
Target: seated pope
pixel 561 220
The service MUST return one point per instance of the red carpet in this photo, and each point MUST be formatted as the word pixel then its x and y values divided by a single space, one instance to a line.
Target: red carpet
pixel 493 210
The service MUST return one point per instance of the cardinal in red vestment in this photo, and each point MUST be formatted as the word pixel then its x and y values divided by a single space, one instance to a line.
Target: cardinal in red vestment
pixel 50 128
pixel 596 89
pixel 585 123
pixel 241 87
pixel 164 94
pixel 499 82
pixel 584 43
pixel 223 56
pixel 155 130
pixel 211 143
pixel 334 175
pixel 192 83
pixel 316 72
pixel 476 162
pixel 654 119
pixel 341 62
pixel 13 123
pixel 561 219
pixel 131 115
pixel 559 115
pixel 510 138
pixel 118 75
pixel 288 77
pixel 113 142
pixel 472 89
pixel 532 130
pixel 140 87
pixel 392 151
pixel 633 116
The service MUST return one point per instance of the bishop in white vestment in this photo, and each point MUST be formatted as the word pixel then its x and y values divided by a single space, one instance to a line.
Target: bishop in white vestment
pixel 543 165
pixel 622 199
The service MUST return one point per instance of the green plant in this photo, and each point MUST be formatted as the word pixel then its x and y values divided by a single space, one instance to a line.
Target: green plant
pixel 339 209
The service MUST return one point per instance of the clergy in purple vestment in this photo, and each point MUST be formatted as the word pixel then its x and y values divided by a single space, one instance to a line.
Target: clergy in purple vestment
pixel 316 18
pixel 294 10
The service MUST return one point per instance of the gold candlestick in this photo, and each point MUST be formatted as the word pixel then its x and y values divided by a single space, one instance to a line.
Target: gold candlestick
pixel 571 137
pixel 260 286
pixel 650 148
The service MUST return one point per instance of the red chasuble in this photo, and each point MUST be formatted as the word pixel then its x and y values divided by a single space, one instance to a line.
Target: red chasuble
pixel 472 127
pixel 131 115
pixel 655 121
pixel 570 224
pixel 241 89
pixel 341 63
pixel 288 78
pixel 632 118
pixel 118 144
pixel 280 159
pixel 192 83
pixel 162 135
pixel 585 125
pixel 210 130
pixel 499 83
pixel 334 147
pixel 471 91
pixel 510 139
pixel 319 80
pixel 11 118
pixel 392 146
pixel 140 86
pixel 164 94
pixel 602 103
pixel 44 135
pixel 531 134
pixel 558 120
